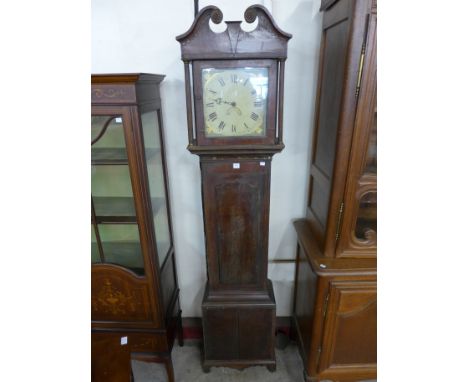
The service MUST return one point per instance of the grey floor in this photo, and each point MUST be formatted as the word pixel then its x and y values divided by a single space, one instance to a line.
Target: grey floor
pixel 187 368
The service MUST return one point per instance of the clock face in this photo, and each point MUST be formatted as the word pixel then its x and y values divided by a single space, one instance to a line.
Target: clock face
pixel 235 102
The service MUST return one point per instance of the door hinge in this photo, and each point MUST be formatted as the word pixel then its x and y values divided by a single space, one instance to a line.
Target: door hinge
pixel 338 226
pixel 361 58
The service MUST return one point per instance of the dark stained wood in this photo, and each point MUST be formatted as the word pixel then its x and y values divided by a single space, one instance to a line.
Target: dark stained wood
pixel 236 211
pixel 138 300
pixel 235 150
pixel 266 41
pixel 238 332
pixel 238 305
pixel 219 325
pixel 254 333
pixel 335 299
pixel 126 89
pixel 110 360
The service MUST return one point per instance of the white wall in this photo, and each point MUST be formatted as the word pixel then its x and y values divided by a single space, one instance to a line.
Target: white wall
pixel 139 36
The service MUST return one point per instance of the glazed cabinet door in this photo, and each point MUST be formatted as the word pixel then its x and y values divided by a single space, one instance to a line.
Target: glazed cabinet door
pixel 358 232
pixel 115 233
pixel 350 332
pixel 121 272
pixel 344 29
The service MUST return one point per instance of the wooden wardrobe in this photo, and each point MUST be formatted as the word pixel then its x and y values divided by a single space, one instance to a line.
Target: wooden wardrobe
pixel 335 296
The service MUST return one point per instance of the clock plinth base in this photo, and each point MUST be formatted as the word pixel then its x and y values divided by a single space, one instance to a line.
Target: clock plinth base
pixel 239 332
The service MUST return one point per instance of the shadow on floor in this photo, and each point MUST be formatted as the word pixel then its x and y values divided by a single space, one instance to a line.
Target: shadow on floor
pixel 187 368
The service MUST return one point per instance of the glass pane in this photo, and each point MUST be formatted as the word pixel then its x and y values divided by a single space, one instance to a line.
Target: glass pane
pixel 155 169
pixel 111 127
pixel 235 102
pixel 366 223
pixel 112 197
pixel 371 161
pixel 94 249
pixel 121 245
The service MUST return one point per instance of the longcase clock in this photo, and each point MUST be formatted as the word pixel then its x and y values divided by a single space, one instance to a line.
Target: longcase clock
pixel 234 89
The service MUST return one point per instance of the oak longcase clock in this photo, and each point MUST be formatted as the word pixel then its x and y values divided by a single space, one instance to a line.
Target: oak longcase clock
pixel 234 87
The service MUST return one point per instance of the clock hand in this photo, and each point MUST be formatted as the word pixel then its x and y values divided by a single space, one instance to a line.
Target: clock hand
pixel 233 104
pixel 219 101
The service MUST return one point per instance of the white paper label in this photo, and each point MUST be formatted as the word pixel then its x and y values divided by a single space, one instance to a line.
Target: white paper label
pixel 262 163
pixel 236 165
pixel 118 120
pixel 123 340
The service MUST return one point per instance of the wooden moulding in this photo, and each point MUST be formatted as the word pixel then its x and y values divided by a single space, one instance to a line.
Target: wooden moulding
pixel 326 265
pixel 125 89
pixel 267 40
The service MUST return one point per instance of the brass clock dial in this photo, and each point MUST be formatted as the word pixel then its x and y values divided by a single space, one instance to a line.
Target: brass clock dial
pixel 235 102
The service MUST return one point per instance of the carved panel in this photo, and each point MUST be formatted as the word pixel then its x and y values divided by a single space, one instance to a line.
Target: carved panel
pixel 365 232
pixel 238 229
pixel 350 336
pixel 114 297
pixel 236 204
pixel 115 94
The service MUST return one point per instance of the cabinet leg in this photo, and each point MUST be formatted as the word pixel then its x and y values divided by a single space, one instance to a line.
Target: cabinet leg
pixel 271 368
pixel 180 331
pixel 169 369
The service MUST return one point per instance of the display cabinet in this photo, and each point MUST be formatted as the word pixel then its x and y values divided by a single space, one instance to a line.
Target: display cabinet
pixel 134 292
pixel 335 299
